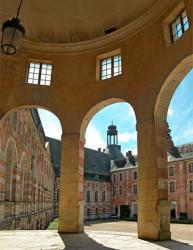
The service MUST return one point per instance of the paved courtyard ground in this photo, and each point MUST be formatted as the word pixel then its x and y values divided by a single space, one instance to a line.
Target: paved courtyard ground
pixel 97 236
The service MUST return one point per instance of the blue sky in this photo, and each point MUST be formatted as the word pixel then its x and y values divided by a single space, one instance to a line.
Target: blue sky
pixel 180 119
pixel 180 113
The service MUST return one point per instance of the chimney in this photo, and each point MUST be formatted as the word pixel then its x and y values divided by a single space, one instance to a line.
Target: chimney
pixel 129 154
pixel 99 149
pixel 103 150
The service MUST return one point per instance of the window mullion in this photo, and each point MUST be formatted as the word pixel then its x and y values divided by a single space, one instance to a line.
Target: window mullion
pixel 40 72
pixel 112 66
pixel 182 24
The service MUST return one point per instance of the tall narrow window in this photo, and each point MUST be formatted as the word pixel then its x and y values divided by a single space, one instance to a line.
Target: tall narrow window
pixel 191 186
pixel 110 67
pixel 120 190
pixel 179 26
pixel 88 211
pixel 134 187
pixel 171 171
pixel 88 196
pixel 103 196
pixel 172 186
pixel 135 175
pixel 39 73
pixel 96 196
pixel 190 168
pixel 114 191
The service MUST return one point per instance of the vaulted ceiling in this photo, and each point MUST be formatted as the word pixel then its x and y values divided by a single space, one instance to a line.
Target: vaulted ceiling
pixel 69 21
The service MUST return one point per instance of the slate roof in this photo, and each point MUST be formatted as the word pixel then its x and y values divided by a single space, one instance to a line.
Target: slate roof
pixel 55 151
pixel 96 162
pixel 116 155
pixel 185 151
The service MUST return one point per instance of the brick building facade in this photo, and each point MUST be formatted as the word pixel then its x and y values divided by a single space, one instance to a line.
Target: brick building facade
pixel 29 184
pixel 123 181
pixel 27 177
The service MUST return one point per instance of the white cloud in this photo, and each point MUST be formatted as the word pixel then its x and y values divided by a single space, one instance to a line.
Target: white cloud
pixel 93 138
pixel 52 130
pixel 170 111
pixel 50 123
pixel 131 112
pixel 126 136
pixel 188 132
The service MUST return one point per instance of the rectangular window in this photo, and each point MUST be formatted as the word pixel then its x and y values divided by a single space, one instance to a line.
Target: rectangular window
pixel 39 73
pixel 190 168
pixel 179 26
pixel 134 188
pixel 120 190
pixel 172 186
pixel 121 177
pixel 114 191
pixel 110 67
pixel 171 171
pixel 134 208
pixel 191 186
pixel 135 175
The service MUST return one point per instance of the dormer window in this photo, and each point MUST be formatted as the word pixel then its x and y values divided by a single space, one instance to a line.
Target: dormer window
pixel 39 73
pixel 179 26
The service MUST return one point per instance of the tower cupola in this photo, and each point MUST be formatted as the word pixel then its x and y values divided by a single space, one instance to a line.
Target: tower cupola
pixel 112 135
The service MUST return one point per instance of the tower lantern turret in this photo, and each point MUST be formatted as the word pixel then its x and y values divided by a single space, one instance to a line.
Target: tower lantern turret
pixel 112 135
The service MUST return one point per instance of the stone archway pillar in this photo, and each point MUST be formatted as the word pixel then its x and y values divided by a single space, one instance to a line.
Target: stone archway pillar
pixel 71 202
pixel 153 204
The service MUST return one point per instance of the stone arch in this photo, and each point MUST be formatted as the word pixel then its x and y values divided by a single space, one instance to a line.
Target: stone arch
pixel 30 106
pixel 96 108
pixel 25 178
pixel 169 86
pixel 11 157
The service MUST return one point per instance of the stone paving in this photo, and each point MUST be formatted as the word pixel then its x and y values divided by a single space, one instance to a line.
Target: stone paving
pixel 121 236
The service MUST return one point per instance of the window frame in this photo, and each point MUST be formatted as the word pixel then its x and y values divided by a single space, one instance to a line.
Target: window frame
pixel 40 62
pixel 134 175
pixel 112 67
pixel 103 196
pixel 134 188
pixel 182 25
pixel 190 167
pixel 191 186
pixel 88 196
pixel 114 191
pixel 96 197
pixel 170 189
pixel 120 190
pixel 104 56
pixel 169 168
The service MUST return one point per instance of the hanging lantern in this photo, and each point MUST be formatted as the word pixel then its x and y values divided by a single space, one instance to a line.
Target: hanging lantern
pixel 12 33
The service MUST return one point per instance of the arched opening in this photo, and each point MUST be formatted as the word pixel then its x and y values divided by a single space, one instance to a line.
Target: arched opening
pixel 10 170
pixel 174 107
pixel 30 158
pixel 180 151
pixel 110 157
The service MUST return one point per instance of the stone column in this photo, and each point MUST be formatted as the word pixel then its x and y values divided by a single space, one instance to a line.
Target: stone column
pixel 153 204
pixel 71 204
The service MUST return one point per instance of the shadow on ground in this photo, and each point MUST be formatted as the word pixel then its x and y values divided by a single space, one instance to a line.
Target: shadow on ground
pixel 81 242
pixel 94 222
pixel 173 245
